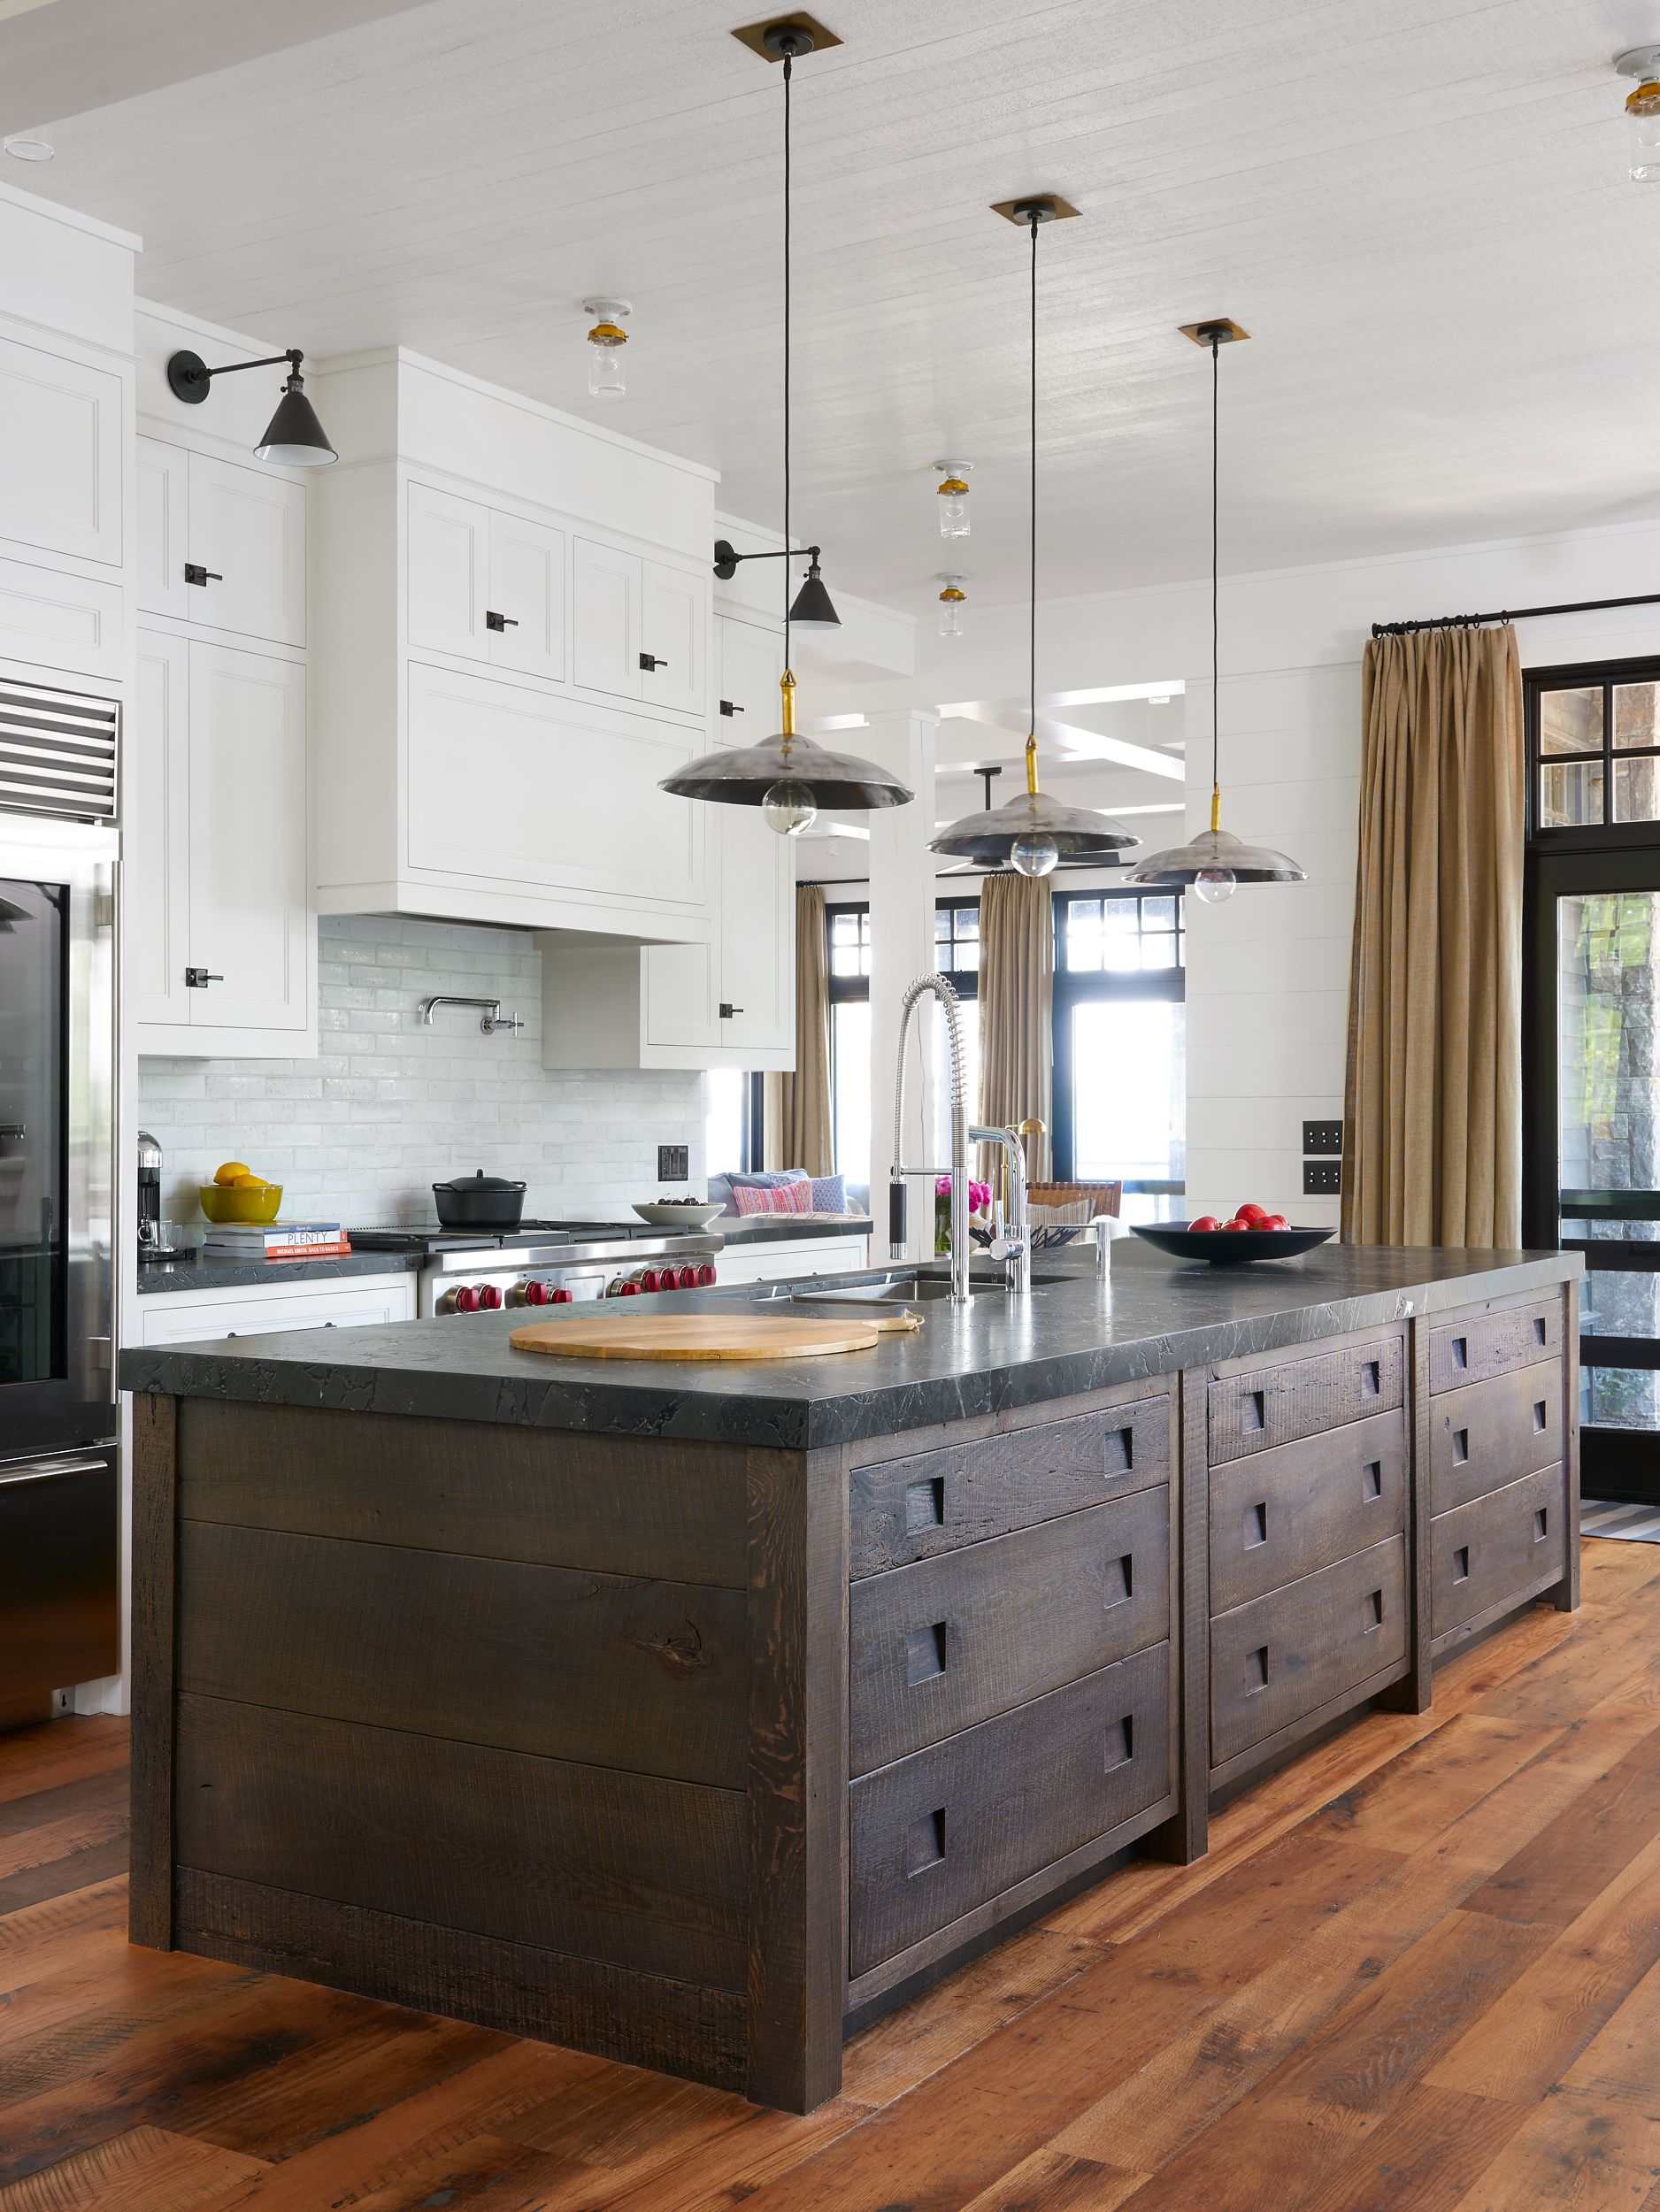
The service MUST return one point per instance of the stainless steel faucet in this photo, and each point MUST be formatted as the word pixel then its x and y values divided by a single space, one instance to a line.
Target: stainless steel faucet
pixel 493 1016
pixel 1014 1246
pixel 896 1193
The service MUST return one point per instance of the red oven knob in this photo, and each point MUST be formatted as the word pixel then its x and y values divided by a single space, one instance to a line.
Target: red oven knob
pixel 467 1299
pixel 649 1279
pixel 630 1289
pixel 558 1295
pixel 689 1279
pixel 705 1274
pixel 535 1294
pixel 489 1297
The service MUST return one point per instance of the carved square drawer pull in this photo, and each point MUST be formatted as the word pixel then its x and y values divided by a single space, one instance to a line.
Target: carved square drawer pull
pixel 1374 1611
pixel 1120 1582
pixel 925 1653
pixel 1461 1447
pixel 925 1843
pixel 1121 1742
pixel 1253 1412
pixel 1461 1351
pixel 1257 1670
pixel 1539 1331
pixel 1461 1563
pixel 1539 1416
pixel 1255 1524
pixel 925 1505
pixel 1371 1378
pixel 1541 1525
pixel 1371 1479
pixel 1119 1452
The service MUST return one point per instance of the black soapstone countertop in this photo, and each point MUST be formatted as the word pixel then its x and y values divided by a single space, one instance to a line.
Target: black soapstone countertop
pixel 200 1270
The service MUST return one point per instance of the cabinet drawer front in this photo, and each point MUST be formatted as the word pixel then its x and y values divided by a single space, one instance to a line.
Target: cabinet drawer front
pixel 55 620
pixel 1284 1656
pixel 1279 1515
pixel 1493 1343
pixel 1507 1544
pixel 945 1831
pixel 950 1641
pixel 914 1508
pixel 1493 1432
pixel 1267 1406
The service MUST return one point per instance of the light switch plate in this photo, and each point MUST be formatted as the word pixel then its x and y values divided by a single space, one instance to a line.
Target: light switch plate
pixel 1322 1179
pixel 673 1163
pixel 1322 1137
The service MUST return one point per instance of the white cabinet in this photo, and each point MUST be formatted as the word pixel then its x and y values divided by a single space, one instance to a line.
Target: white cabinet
pixel 484 585
pixel 746 1261
pixel 641 629
pixel 60 454
pixel 219 544
pixel 220 952
pixel 188 1317
pixel 58 619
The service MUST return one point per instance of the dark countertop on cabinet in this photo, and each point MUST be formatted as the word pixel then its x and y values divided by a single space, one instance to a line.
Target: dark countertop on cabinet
pixel 1077 1332
pixel 199 1273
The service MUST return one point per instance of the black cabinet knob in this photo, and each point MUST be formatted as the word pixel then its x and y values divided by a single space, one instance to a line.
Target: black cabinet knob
pixel 728 707
pixel 651 664
pixel 194 573
pixel 493 621
pixel 198 978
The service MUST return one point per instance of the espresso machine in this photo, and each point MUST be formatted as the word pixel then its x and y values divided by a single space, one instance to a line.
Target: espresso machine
pixel 149 1196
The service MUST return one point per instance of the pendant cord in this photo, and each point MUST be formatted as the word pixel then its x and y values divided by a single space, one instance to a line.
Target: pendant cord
pixel 1031 760
pixel 788 68
pixel 1216 570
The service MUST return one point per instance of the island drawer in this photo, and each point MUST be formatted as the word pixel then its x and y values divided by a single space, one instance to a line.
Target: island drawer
pixel 1485 1344
pixel 1282 1514
pixel 1266 1406
pixel 1281 1658
pixel 944 1644
pixel 1493 1432
pixel 1505 1546
pixel 949 1829
pixel 926 1502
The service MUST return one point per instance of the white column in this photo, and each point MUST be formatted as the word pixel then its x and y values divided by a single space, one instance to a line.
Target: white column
pixel 902 948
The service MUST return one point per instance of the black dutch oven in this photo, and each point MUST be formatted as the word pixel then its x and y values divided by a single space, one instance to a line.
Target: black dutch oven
pixel 479 1202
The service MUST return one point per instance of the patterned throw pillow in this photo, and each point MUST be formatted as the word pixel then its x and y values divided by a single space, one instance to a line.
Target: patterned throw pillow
pixel 783 1198
pixel 829 1195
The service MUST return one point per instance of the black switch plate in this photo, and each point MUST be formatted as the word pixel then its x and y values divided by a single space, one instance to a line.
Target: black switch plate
pixel 1323 1136
pixel 673 1163
pixel 1322 1179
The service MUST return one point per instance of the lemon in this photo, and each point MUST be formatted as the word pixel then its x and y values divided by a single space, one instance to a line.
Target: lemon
pixel 233 1171
pixel 246 1181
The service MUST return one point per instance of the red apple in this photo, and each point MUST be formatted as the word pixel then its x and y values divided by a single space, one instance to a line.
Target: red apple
pixel 1274 1221
pixel 1237 1224
pixel 1204 1225
pixel 1252 1214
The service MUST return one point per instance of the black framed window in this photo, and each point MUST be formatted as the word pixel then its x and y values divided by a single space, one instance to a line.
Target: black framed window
pixel 848 958
pixel 1594 754
pixel 1120 1044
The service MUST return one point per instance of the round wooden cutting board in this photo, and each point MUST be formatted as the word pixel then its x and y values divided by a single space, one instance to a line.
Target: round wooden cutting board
pixel 695 1336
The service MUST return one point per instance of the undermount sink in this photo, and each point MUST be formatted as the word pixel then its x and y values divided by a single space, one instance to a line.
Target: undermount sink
pixel 899 1290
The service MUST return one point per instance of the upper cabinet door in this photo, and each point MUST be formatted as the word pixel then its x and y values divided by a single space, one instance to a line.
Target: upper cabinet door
pixel 674 630
pixel 248 535
pixel 525 616
pixel 164 529
pixel 157 839
pixel 607 643
pixel 250 875
pixel 60 454
pixel 449 566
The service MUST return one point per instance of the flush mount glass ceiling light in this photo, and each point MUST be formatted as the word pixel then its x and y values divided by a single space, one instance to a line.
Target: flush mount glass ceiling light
pixel 294 437
pixel 1642 113
pixel 1033 832
pixel 1215 860
pixel 607 378
pixel 952 600
pixel 787 776
pixel 955 520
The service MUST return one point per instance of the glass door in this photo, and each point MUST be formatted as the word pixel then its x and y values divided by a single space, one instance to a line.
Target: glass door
pixel 34 1164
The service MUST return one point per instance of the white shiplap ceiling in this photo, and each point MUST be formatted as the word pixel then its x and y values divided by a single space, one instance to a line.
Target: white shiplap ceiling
pixel 1416 206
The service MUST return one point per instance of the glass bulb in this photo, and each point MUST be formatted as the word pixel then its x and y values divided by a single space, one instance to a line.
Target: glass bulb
pixel 606 378
pixel 950 618
pixel 1033 855
pixel 1642 126
pixel 789 807
pixel 1213 885
pixel 953 515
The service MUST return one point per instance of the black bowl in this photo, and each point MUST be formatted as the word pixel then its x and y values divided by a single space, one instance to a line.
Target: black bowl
pixel 1230 1248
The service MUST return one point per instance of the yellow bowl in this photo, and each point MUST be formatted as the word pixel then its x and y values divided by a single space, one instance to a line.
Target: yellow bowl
pixel 221 1203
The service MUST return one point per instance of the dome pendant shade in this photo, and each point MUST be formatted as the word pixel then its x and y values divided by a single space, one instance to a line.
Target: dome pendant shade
pixel 1081 836
pixel 1215 852
pixel 295 439
pixel 813 607
pixel 742 776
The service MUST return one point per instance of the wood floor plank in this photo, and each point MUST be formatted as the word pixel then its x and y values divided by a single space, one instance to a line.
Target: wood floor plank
pixel 76 1869
pixel 1422 2158
pixel 1425 1788
pixel 1577 2150
pixel 730 2167
pixel 146 2170
pixel 1620 2058
pixel 60 1751
pixel 1555 1875
pixel 61 1935
pixel 1050 2181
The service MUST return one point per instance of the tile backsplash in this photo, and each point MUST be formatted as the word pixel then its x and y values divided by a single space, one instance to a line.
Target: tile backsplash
pixel 391 1106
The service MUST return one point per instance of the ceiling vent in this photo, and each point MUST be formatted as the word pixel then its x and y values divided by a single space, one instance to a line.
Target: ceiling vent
pixel 57 753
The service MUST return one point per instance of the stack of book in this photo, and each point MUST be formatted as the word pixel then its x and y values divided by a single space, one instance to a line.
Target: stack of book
pixel 279 1240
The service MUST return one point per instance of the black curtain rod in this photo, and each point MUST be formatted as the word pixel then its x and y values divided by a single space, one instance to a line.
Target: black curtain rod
pixel 1513 614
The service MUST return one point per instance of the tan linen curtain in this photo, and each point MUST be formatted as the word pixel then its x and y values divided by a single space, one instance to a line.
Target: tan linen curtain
pixel 803 1098
pixel 1017 989
pixel 1432 1112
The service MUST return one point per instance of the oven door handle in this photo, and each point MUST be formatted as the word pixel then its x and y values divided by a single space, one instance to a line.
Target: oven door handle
pixel 49 1470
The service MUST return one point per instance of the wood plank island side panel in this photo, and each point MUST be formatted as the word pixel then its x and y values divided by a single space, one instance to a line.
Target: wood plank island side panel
pixel 1279 1515
pixel 1263 1406
pixel 1568 1588
pixel 1491 1432
pixel 796 1964
pixel 951 1641
pixel 519 1989
pixel 1412 1693
pixel 623 1868
pixel 155 1481
pixel 934 1836
pixel 1492 1341
pixel 647 1676
pixel 636 1505
pixel 1185 1836
pixel 950 1487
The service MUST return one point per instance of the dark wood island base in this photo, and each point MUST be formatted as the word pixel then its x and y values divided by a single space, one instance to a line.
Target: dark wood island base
pixel 692 1753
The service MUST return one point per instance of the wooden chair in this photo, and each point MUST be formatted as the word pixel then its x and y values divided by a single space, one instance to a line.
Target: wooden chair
pixel 1104 1198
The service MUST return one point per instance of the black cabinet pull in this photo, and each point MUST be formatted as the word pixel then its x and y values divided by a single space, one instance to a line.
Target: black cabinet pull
pixel 198 978
pixel 727 1010
pixel 651 664
pixel 728 707
pixel 194 573
pixel 493 621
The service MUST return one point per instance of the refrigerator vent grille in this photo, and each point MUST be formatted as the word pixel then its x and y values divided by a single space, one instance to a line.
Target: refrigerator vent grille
pixel 59 753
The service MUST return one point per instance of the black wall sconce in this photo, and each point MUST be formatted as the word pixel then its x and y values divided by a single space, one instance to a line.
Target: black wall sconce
pixel 294 437
pixel 813 607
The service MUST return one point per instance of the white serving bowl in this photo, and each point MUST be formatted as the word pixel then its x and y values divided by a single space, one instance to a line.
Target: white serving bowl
pixel 661 1217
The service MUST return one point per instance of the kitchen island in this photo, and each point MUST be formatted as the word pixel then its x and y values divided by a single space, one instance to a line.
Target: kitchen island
pixel 694 1715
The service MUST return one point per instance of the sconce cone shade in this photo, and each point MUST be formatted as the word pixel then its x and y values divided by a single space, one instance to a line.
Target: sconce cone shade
pixel 1216 851
pixel 1080 835
pixel 813 607
pixel 295 439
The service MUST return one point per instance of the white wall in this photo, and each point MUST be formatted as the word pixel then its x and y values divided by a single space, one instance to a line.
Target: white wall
pixel 1267 983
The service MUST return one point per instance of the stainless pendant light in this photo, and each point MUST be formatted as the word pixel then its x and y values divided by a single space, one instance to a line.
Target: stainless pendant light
pixel 1033 832
pixel 1215 860
pixel 787 776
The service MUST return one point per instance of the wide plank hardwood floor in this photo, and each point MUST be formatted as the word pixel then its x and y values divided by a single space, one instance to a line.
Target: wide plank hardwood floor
pixel 1418 1971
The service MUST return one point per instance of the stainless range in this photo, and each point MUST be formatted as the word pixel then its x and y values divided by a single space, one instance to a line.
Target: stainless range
pixel 545 1263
